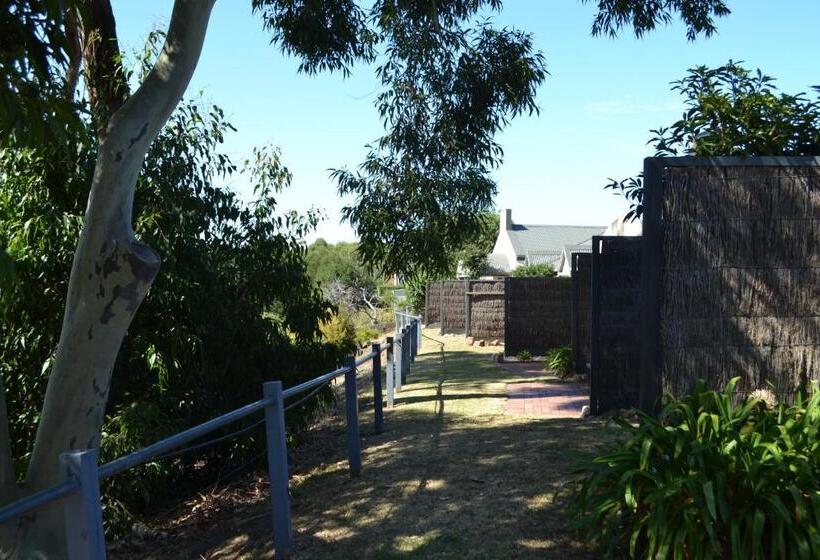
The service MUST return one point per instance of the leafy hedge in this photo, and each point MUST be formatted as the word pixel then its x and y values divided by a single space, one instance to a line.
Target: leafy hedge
pixel 710 478
pixel 534 271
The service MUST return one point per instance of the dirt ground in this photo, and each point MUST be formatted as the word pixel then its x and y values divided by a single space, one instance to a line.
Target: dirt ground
pixel 454 475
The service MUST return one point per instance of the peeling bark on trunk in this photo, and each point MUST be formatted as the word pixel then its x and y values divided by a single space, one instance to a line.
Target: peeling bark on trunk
pixel 110 276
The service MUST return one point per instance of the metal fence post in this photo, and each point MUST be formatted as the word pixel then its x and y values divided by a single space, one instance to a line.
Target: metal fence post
pixel 378 409
pixel 354 444
pixel 390 374
pixel 278 468
pixel 405 355
pixel 418 332
pixel 398 360
pixel 85 538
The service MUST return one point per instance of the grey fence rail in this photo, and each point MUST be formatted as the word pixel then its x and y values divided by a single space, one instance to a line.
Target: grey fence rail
pixel 79 490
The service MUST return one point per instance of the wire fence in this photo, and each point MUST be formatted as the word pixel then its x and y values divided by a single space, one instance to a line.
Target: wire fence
pixel 79 491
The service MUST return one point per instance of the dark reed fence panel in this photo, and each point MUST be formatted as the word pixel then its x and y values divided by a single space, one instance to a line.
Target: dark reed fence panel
pixel 615 342
pixel 452 309
pixel 485 309
pixel 432 302
pixel 734 246
pixel 581 310
pixel 537 315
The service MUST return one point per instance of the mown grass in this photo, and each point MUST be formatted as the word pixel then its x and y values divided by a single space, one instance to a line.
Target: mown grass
pixel 452 476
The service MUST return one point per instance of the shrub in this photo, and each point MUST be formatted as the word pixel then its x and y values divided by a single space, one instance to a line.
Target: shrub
pixel 524 356
pixel 534 271
pixel 340 331
pixel 559 360
pixel 710 478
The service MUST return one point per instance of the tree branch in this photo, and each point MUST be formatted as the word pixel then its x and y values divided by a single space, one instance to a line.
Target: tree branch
pixel 104 75
pixel 73 34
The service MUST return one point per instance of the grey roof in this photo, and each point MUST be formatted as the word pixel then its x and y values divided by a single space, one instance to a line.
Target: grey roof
pixel 582 248
pixel 552 258
pixel 532 240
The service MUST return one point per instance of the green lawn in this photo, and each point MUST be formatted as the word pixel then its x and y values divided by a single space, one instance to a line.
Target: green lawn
pixel 452 476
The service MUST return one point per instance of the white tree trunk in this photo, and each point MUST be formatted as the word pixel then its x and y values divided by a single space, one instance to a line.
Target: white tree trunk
pixel 110 276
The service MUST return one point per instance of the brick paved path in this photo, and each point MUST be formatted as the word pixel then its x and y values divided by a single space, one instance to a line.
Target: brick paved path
pixel 545 399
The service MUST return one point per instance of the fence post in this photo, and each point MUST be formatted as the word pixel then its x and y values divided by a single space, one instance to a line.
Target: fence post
pixel 405 355
pixel 418 332
pixel 83 512
pixel 354 444
pixel 278 468
pixel 378 410
pixel 398 360
pixel 390 371
pixel 411 330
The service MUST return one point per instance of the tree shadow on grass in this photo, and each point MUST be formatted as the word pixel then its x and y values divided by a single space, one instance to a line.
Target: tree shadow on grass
pixel 440 482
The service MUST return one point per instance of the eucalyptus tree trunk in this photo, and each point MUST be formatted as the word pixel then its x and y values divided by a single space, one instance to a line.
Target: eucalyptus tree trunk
pixel 110 276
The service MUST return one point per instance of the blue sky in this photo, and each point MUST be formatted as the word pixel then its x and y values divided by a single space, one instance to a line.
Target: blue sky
pixel 597 105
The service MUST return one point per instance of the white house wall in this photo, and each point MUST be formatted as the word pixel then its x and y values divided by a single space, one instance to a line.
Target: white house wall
pixel 504 246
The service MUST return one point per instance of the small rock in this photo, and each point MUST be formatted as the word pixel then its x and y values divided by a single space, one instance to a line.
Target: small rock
pixel 470 340
pixel 585 411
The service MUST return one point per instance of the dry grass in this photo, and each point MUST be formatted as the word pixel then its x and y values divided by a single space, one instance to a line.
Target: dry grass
pixel 452 476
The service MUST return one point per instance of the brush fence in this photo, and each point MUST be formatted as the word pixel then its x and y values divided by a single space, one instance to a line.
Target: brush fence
pixel 537 315
pixel 732 248
pixel 581 310
pixel 615 341
pixel 531 314
pixel 485 309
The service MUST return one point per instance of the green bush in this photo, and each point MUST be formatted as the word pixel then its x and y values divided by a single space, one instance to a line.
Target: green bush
pixel 710 478
pixel 534 271
pixel 524 356
pixel 416 290
pixel 559 360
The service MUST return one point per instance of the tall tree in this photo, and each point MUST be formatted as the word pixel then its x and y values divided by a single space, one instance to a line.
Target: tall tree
pixel 449 84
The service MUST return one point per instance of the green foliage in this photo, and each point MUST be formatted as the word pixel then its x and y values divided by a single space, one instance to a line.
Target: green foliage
pixel 344 279
pixel 473 254
pixel 415 287
pixel 732 111
pixel 340 331
pixel 524 356
pixel 645 15
pixel 559 360
pixel 6 270
pixel 33 59
pixel 232 305
pixel 327 262
pixel 710 478
pixel 449 84
pixel 534 271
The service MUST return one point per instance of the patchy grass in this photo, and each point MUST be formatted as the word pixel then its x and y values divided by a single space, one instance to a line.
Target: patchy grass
pixel 452 476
